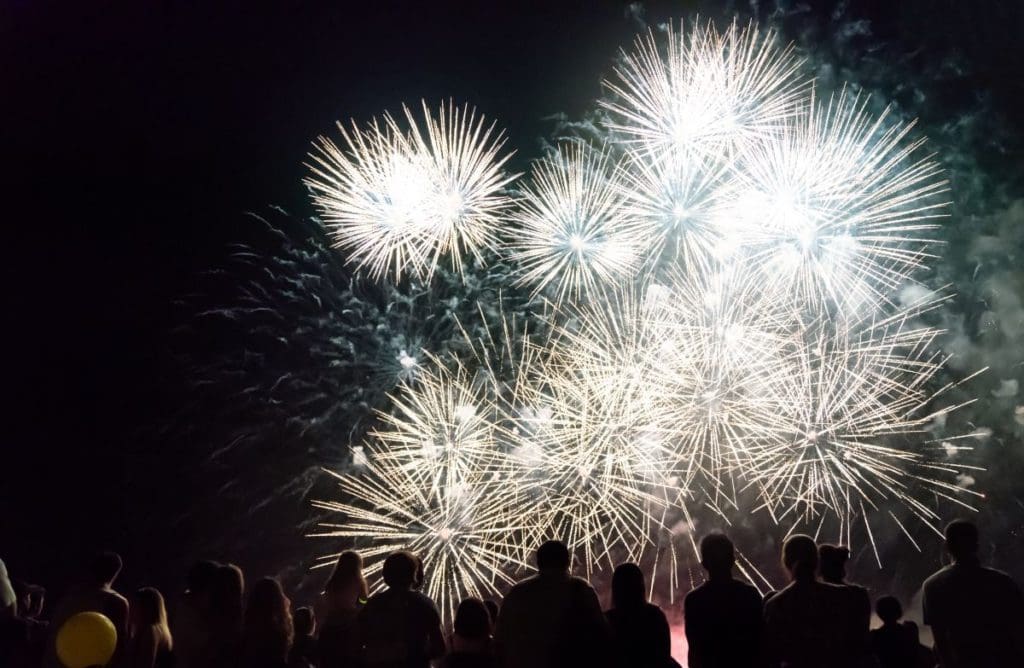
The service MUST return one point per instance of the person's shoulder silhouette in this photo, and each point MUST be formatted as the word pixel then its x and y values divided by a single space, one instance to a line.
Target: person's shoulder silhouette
pixel 805 624
pixel 640 633
pixel 892 644
pixel 856 608
pixel 722 616
pixel 552 618
pixel 400 627
pixel 976 613
pixel 471 637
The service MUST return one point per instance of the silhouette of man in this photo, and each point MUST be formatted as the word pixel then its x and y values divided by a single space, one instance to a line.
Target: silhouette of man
pixel 194 637
pixel 857 609
pixel 892 643
pixel 924 657
pixel 722 616
pixel 552 619
pixel 400 627
pixel 95 594
pixel 804 623
pixel 976 613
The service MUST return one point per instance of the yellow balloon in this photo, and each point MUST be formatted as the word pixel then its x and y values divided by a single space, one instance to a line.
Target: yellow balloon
pixel 86 639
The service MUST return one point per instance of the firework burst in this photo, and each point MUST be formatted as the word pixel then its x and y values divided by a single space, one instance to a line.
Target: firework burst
pixel 396 201
pixel 465 532
pixel 677 203
pixel 719 327
pixel 837 210
pixel 574 237
pixel 707 95
pixel 598 448
pixel 439 480
pixel 856 408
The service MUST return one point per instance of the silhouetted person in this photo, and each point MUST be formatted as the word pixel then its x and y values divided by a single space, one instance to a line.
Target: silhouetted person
pixel 8 599
pixel 267 630
pixel 149 636
pixel 976 613
pixel 891 643
pixel 857 610
pixel 304 651
pixel 227 593
pixel 29 611
pixel 339 606
pixel 343 597
pixel 400 627
pixel 551 619
pixel 30 600
pixel 640 635
pixel 16 650
pixel 193 632
pixel 723 617
pixel 471 639
pixel 924 657
pixel 804 623
pixel 95 594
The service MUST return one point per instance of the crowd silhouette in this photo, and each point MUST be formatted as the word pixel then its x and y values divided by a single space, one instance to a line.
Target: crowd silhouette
pixel 551 619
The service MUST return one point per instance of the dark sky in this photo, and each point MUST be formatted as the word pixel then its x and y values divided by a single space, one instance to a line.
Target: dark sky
pixel 134 134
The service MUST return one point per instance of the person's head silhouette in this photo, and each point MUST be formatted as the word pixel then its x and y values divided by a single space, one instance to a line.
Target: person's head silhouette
pixel 200 577
pixel 962 541
pixel 888 609
pixel 717 555
pixel 800 557
pixel 346 584
pixel 552 557
pixel 472 620
pixel 628 586
pixel 104 569
pixel 304 621
pixel 832 560
pixel 399 570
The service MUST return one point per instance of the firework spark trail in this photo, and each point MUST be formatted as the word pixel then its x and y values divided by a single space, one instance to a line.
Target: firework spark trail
pixel 397 201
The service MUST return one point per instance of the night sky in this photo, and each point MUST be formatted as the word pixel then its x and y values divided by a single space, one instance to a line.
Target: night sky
pixel 134 137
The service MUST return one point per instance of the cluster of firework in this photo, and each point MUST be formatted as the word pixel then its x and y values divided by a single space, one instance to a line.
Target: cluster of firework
pixel 730 323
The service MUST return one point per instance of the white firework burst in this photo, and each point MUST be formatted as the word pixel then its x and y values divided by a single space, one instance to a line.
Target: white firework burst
pixel 396 201
pixel 677 203
pixel 574 238
pixel 857 401
pixel 708 95
pixel 596 444
pixel 719 285
pixel 722 357
pixel 837 211
pixel 466 533
pixel 443 477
